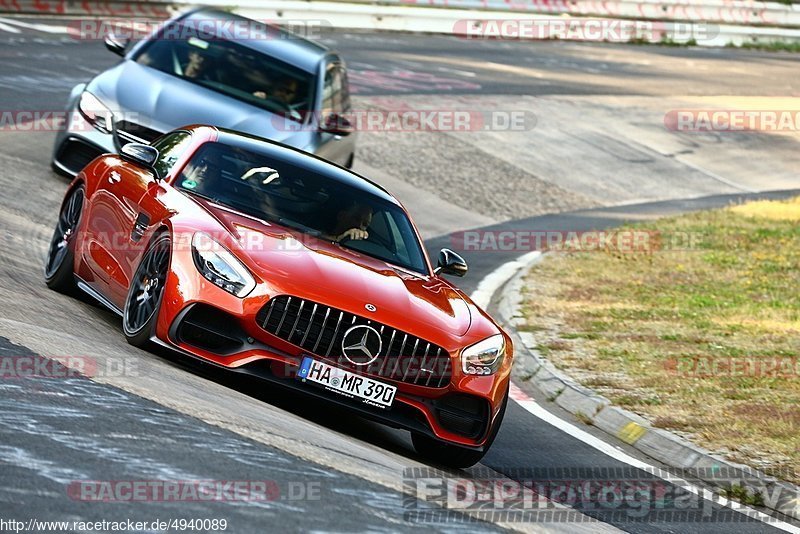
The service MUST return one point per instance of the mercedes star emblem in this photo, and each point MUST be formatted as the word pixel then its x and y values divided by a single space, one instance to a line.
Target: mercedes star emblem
pixel 361 344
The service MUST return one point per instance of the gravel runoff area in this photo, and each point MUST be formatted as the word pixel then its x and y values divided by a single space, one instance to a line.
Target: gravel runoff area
pixel 574 153
pixel 455 170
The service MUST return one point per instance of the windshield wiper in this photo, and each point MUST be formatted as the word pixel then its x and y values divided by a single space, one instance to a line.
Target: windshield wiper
pixel 201 195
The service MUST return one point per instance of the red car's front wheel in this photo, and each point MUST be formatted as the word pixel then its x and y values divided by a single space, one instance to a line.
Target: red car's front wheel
pixel 146 292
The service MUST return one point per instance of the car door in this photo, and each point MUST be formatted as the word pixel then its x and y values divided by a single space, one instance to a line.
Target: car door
pixel 150 208
pixel 112 214
pixel 335 100
pixel 129 206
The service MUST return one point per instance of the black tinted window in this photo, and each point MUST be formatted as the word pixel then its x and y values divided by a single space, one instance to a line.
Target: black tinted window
pixel 299 199
pixel 170 147
pixel 233 70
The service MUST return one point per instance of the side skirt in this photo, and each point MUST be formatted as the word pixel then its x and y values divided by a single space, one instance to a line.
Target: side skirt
pixel 96 295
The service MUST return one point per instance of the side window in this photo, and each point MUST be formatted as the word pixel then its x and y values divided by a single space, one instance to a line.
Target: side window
pixel 397 236
pixel 334 92
pixel 380 232
pixel 170 148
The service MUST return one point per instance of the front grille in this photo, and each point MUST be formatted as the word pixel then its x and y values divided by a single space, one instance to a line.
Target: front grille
pixel 75 155
pixel 319 329
pixel 131 132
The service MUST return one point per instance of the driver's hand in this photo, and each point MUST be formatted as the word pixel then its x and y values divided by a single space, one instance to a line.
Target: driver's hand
pixel 353 233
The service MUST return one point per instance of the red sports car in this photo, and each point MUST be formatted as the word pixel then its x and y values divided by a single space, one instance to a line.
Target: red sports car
pixel 269 261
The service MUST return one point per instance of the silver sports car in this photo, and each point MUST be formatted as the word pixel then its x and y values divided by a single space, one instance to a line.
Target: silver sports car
pixel 266 82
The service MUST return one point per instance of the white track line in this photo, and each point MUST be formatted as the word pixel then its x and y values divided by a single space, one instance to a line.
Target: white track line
pixel 483 295
pixel 47 28
pixel 7 28
pixel 497 278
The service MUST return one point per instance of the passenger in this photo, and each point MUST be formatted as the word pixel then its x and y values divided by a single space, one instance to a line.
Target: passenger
pixel 286 91
pixel 199 67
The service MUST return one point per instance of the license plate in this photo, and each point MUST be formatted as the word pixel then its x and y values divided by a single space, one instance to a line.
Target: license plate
pixel 345 383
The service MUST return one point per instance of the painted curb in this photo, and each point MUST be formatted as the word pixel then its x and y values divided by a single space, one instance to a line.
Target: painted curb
pixel 532 370
pixel 431 19
pixel 89 8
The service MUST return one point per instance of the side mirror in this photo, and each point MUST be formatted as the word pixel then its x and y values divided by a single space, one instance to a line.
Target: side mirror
pixel 336 124
pixel 116 44
pixel 451 263
pixel 142 155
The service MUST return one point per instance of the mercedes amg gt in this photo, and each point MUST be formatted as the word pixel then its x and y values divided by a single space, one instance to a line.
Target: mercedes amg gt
pixel 261 259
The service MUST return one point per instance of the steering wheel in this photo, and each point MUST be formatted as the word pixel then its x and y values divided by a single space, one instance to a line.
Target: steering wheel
pixel 373 238
pixel 279 103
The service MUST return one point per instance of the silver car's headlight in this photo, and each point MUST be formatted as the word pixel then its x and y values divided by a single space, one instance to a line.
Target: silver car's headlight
pixel 95 112
pixel 484 357
pixel 220 267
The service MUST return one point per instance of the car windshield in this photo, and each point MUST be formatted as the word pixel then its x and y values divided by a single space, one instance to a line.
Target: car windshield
pixel 231 69
pixel 294 197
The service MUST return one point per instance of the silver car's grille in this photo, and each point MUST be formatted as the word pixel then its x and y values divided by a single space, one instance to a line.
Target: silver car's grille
pixel 319 329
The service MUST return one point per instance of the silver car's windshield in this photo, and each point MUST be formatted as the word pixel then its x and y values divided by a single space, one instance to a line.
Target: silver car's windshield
pixel 293 197
pixel 231 69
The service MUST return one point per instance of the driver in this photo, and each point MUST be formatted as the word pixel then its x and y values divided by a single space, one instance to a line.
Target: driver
pixel 204 174
pixel 200 174
pixel 351 223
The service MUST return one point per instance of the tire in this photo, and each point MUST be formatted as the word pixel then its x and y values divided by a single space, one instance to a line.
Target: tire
pixel 146 292
pixel 59 264
pixel 441 453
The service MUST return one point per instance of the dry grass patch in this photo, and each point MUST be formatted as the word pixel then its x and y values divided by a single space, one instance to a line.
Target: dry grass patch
pixel 704 340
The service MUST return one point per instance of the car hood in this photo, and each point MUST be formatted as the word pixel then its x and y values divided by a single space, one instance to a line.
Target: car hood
pixel 163 102
pixel 299 265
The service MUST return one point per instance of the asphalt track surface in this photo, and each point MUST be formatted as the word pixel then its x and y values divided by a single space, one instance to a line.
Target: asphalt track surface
pixel 175 419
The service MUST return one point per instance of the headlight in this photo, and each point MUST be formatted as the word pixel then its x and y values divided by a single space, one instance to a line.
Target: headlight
pixel 484 357
pixel 220 267
pixel 95 112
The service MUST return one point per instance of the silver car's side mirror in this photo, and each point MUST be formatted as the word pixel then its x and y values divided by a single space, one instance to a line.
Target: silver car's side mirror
pixel 336 124
pixel 142 155
pixel 116 44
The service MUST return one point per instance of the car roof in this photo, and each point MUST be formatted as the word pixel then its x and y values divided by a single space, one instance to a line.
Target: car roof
pixel 298 158
pixel 284 45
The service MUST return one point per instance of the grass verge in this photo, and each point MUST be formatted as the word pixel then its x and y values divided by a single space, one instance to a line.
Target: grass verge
pixel 769 46
pixel 703 340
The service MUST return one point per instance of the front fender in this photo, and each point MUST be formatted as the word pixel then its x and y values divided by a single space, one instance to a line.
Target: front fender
pixel 74 95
